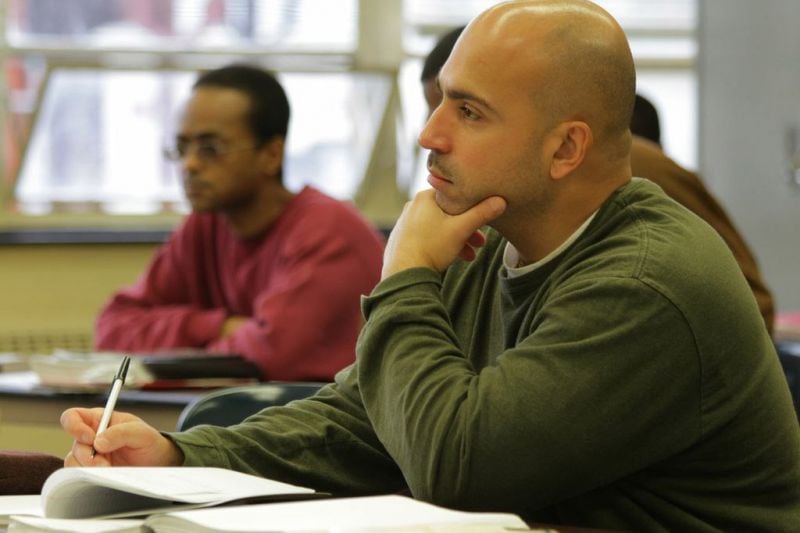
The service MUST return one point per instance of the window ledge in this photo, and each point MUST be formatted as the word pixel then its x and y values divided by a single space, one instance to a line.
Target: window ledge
pixel 83 236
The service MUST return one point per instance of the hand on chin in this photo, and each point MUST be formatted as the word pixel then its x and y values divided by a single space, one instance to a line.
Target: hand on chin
pixel 432 232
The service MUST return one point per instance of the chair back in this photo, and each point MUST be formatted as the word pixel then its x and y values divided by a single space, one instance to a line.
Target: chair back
pixel 226 407
pixel 24 472
pixel 789 354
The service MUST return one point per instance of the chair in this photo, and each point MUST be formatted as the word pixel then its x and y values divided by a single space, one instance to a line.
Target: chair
pixel 25 472
pixel 789 354
pixel 230 406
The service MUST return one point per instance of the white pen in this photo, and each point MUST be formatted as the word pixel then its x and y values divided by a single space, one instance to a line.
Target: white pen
pixel 116 385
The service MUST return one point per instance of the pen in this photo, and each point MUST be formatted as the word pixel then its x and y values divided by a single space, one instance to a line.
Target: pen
pixel 116 385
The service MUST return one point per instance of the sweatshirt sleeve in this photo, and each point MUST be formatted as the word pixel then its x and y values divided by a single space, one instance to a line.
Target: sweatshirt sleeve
pixel 506 436
pixel 305 322
pixel 325 442
pixel 157 311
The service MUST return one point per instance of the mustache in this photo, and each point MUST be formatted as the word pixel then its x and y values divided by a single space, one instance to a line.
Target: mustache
pixel 193 181
pixel 435 165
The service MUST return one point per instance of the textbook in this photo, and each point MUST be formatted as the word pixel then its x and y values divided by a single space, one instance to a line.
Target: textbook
pixel 369 513
pixel 384 514
pixel 116 492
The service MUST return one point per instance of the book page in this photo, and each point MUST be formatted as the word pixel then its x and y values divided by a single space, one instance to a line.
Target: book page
pixel 336 514
pixel 27 505
pixel 102 491
pixel 64 525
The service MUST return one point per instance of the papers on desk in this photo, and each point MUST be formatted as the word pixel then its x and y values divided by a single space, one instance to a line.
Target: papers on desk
pixel 11 362
pixel 35 524
pixel 79 371
pixel 93 371
pixel 117 492
pixel 371 513
pixel 105 499
pixel 26 504
pixel 375 514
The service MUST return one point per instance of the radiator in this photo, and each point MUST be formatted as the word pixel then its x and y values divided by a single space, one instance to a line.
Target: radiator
pixel 45 341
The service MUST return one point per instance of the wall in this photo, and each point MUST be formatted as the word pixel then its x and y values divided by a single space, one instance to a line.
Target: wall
pixel 50 294
pixel 749 74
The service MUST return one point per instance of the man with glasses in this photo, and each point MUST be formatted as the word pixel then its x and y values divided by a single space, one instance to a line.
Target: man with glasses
pixel 255 269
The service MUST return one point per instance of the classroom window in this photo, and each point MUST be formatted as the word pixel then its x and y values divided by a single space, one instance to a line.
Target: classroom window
pixel 93 89
pixel 91 65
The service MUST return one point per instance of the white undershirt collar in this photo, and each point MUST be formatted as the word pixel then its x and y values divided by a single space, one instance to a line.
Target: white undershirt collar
pixel 511 255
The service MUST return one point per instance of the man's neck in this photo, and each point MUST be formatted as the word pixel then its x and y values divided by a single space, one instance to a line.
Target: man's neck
pixel 257 216
pixel 537 237
pixel 535 233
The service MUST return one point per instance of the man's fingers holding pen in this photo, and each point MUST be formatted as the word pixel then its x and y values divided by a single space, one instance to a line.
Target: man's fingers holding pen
pixel 116 445
pixel 81 423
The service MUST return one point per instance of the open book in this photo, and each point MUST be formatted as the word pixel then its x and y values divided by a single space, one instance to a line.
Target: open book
pixel 384 514
pixel 106 492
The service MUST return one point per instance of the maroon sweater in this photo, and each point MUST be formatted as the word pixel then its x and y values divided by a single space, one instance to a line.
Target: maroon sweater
pixel 300 283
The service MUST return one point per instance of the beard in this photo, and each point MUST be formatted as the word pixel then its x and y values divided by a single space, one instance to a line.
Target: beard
pixel 524 185
pixel 448 204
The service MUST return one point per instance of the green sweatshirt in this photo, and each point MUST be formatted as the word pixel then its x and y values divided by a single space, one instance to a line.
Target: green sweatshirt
pixel 629 383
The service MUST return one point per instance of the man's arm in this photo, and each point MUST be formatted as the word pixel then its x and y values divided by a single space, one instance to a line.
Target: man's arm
pixel 325 442
pixel 554 415
pixel 305 322
pixel 163 309
pixel 685 187
pixel 506 436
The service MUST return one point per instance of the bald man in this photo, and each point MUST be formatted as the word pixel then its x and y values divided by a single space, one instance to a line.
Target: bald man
pixel 647 161
pixel 516 378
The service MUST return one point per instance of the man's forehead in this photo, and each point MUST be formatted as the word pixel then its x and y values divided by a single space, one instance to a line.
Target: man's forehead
pixel 205 112
pixel 468 70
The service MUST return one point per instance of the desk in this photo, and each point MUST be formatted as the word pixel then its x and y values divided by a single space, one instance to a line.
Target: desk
pixel 29 413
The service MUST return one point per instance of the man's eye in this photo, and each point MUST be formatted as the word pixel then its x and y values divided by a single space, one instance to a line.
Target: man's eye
pixel 208 150
pixel 468 113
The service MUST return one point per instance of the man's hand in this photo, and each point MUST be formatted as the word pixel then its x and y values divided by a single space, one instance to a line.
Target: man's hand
pixel 231 325
pixel 127 441
pixel 426 236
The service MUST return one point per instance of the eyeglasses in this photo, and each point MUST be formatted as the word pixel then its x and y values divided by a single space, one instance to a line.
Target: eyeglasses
pixel 206 150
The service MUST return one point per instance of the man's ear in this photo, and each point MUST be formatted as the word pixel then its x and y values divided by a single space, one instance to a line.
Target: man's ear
pixel 271 155
pixel 571 141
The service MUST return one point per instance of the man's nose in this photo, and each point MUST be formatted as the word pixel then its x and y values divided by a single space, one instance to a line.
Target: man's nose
pixel 435 135
pixel 190 162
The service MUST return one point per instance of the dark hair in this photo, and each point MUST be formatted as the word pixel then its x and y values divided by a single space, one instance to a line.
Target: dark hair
pixel 644 121
pixel 439 54
pixel 269 107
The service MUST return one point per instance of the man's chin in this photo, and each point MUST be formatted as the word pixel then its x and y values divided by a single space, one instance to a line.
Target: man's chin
pixel 200 207
pixel 452 207
pixel 448 206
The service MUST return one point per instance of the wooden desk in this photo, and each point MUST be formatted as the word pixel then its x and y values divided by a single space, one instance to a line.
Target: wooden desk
pixel 29 413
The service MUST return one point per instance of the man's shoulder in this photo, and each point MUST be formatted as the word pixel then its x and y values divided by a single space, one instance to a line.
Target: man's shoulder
pixel 198 225
pixel 313 201
pixel 316 208
pixel 643 210
pixel 650 202
pixel 668 247
pixel 314 217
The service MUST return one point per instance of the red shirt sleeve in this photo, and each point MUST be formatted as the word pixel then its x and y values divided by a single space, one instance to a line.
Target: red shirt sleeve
pixel 161 310
pixel 306 321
